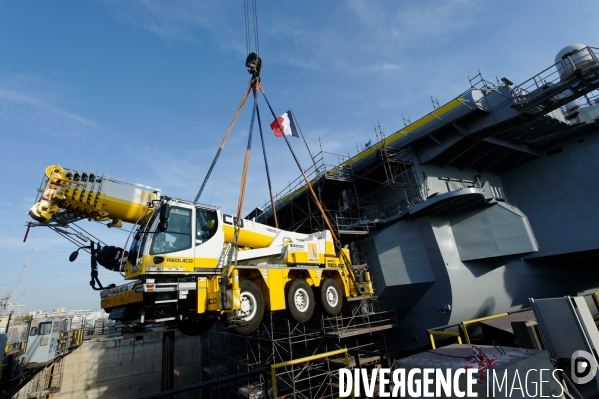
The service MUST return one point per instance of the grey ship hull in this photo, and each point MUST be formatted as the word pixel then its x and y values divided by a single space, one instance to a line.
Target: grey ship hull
pixel 421 264
pixel 478 206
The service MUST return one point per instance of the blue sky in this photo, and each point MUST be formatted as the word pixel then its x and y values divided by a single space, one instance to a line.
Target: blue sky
pixel 145 90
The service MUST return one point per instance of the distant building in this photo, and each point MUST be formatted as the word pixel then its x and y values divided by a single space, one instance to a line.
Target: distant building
pixel 3 323
pixel 17 309
pixel 35 312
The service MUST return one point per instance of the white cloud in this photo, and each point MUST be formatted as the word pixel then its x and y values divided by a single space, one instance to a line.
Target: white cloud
pixel 355 34
pixel 24 110
pixel 181 20
pixel 360 32
pixel 14 243
pixel 416 23
pixel 389 67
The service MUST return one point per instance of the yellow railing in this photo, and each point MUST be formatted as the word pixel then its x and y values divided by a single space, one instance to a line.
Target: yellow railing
pixel 463 327
pixel 303 360
pixel 431 335
pixel 465 323
pixel 596 299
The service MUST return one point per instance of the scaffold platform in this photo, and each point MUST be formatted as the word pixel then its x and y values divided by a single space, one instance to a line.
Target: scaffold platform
pixel 363 331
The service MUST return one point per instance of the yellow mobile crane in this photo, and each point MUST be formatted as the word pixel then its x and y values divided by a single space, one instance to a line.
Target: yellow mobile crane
pixel 186 264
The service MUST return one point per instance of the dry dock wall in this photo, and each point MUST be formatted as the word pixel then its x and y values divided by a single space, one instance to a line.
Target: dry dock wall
pixel 127 367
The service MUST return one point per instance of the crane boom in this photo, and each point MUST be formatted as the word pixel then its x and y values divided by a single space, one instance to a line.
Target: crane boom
pixel 8 297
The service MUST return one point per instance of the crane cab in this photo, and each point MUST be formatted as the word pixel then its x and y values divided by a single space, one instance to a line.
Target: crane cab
pixel 187 239
pixel 182 238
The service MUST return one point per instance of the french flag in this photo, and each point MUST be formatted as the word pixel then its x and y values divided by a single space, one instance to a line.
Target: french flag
pixel 286 122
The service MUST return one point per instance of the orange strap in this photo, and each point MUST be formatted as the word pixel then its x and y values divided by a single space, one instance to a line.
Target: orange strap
pixel 241 104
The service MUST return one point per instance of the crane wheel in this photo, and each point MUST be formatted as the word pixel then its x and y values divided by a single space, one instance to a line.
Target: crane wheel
pixel 194 326
pixel 300 300
pixel 252 308
pixel 330 296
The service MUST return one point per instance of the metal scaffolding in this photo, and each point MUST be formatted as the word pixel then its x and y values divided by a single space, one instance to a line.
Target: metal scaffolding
pixel 356 196
pixel 46 382
pixel 347 191
pixel 362 329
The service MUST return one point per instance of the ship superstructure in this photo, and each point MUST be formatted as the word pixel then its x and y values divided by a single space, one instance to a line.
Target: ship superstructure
pixel 476 207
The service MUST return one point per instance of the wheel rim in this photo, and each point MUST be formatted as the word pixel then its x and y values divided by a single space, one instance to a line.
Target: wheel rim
pixel 332 296
pixel 301 300
pixel 248 306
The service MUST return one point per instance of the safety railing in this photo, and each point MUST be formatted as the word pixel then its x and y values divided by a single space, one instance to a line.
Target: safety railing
pixel 556 73
pixel 433 332
pixel 304 360
pixel 364 319
pixel 380 213
pixel 462 335
pixel 588 99
pixel 595 297
pixel 317 168
pixel 464 324
pixel 344 222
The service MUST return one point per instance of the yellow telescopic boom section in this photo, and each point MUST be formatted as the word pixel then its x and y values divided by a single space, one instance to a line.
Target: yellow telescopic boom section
pixel 71 193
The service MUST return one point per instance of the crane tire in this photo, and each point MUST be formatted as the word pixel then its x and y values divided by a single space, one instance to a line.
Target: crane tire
pixel 252 304
pixel 300 300
pixel 330 297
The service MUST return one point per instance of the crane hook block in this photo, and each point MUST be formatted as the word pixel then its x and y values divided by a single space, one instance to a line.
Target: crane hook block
pixel 253 63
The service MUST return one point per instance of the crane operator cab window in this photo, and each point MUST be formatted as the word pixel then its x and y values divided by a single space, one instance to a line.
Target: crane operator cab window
pixel 178 235
pixel 44 328
pixel 206 225
pixel 139 240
